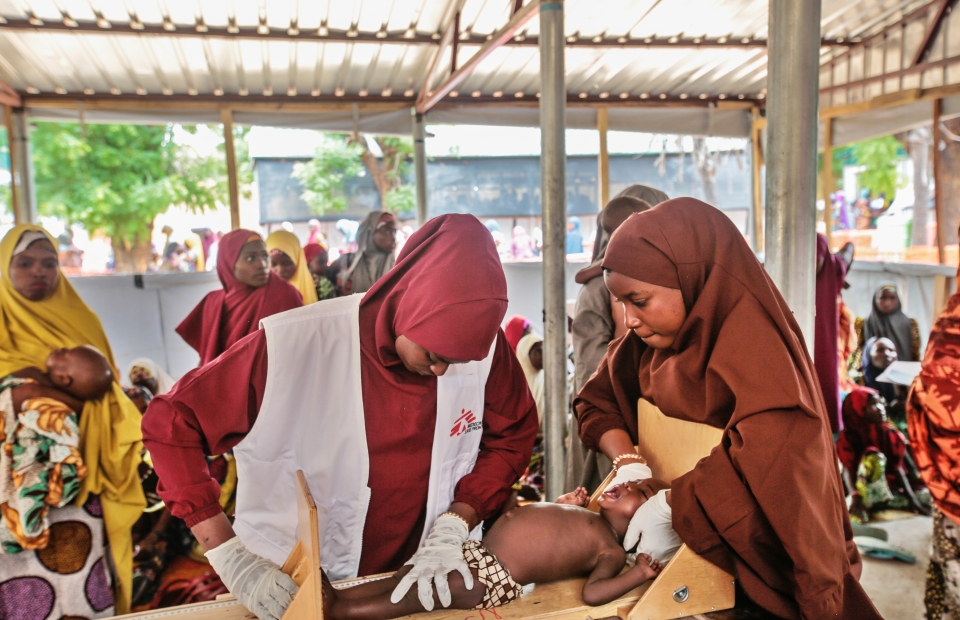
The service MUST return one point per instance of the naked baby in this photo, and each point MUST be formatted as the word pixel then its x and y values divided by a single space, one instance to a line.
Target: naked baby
pixel 537 543
pixel 73 376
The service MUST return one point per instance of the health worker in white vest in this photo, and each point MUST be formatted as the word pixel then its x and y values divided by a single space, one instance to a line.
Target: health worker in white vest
pixel 405 408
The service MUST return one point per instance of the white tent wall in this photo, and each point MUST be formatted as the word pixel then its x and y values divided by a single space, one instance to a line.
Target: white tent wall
pixel 140 322
pixel 725 122
pixel 887 121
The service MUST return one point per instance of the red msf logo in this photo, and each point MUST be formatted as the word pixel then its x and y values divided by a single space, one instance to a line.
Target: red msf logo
pixel 462 424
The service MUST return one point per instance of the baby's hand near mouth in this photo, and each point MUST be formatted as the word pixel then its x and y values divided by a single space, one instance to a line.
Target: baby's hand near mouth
pixel 578 497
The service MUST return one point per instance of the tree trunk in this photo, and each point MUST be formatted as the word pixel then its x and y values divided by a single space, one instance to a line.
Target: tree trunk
pixel 707 169
pixel 950 180
pixel 918 145
pixel 375 168
pixel 135 259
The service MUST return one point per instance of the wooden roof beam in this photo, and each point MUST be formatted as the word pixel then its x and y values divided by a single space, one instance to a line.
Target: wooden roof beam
pixel 429 98
pixel 933 29
pixel 9 97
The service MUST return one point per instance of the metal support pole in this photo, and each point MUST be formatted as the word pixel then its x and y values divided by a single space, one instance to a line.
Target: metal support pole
pixel 828 179
pixel 226 117
pixel 553 184
pixel 791 158
pixel 420 165
pixel 757 161
pixel 937 187
pixel 603 160
pixel 21 167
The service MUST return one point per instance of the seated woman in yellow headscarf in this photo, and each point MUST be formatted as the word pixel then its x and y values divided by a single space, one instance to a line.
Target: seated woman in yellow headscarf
pixel 288 261
pixel 70 575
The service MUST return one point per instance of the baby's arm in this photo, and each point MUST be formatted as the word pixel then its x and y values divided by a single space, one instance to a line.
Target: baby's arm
pixel 577 497
pixel 605 584
pixel 24 392
pixel 32 372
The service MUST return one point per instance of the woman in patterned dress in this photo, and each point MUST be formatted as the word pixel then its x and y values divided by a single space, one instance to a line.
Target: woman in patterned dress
pixel 71 575
pixel 933 417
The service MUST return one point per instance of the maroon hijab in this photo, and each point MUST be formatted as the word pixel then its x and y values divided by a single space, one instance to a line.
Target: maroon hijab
pixel 225 316
pixel 767 502
pixel 446 292
pixel 826 353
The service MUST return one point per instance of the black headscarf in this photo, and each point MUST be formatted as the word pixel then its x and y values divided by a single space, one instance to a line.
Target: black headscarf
pixel 896 326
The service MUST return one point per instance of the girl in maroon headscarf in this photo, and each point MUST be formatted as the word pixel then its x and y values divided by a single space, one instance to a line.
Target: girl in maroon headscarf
pixel 431 322
pixel 712 341
pixel 515 329
pixel 250 292
pixel 874 456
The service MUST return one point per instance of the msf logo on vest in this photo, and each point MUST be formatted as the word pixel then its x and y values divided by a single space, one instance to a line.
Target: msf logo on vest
pixel 467 422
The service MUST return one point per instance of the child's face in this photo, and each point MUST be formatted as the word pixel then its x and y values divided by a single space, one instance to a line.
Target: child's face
pixel 536 356
pixel 620 503
pixel 282 265
pixel 876 411
pixel 81 371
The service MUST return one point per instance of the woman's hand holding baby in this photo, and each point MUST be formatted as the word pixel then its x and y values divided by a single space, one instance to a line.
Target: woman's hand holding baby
pixel 577 497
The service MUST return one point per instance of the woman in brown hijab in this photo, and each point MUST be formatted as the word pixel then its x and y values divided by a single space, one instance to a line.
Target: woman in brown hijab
pixel 712 341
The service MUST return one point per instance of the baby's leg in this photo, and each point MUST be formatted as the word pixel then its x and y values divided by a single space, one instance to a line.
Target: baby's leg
pixel 373 602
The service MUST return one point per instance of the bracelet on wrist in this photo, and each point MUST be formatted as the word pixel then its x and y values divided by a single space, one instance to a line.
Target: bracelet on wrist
pixel 635 456
pixel 453 514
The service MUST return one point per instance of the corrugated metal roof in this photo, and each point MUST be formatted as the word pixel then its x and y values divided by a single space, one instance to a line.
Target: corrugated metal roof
pixel 381 48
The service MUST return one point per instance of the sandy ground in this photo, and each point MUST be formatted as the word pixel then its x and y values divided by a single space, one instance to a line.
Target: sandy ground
pixel 896 587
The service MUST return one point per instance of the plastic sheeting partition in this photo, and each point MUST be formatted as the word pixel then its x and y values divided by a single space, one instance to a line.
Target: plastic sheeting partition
pixel 692 121
pixel 887 121
pixel 140 322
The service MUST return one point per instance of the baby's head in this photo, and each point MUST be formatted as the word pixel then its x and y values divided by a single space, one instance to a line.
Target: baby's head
pixel 618 504
pixel 82 372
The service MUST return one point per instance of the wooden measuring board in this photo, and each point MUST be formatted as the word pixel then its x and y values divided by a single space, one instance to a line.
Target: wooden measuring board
pixel 689 585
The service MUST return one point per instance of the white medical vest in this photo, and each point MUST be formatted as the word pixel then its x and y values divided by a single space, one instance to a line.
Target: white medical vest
pixel 312 418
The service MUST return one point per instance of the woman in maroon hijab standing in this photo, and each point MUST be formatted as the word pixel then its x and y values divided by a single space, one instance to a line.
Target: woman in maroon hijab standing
pixel 405 407
pixel 250 292
pixel 712 341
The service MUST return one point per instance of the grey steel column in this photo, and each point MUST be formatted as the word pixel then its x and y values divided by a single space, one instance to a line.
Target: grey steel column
pixel 420 165
pixel 25 209
pixel 791 185
pixel 553 191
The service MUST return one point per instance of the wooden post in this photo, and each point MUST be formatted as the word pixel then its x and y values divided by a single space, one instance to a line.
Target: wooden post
pixel 8 121
pixel 603 160
pixel 827 179
pixel 226 117
pixel 937 189
pixel 756 128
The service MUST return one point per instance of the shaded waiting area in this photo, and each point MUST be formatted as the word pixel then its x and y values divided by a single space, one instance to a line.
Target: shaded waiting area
pixel 794 78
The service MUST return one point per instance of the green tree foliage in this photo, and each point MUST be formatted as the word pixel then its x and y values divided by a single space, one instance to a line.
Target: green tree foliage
pixel 343 157
pixel 118 178
pixel 880 156
pixel 6 198
pixel 335 160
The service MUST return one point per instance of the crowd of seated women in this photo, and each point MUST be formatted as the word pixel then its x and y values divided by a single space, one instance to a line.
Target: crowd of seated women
pixel 83 532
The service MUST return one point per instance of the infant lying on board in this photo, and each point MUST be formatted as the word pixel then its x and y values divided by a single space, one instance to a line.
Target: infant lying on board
pixel 536 543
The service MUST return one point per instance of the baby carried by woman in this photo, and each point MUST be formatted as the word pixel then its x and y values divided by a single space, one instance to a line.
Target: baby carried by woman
pixel 40 461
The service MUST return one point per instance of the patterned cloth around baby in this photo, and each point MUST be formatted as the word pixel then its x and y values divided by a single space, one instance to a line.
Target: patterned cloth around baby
pixel 40 466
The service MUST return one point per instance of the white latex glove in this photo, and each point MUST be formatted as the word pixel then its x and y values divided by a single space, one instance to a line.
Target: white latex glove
pixel 256 582
pixel 440 555
pixel 652 526
pixel 629 473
